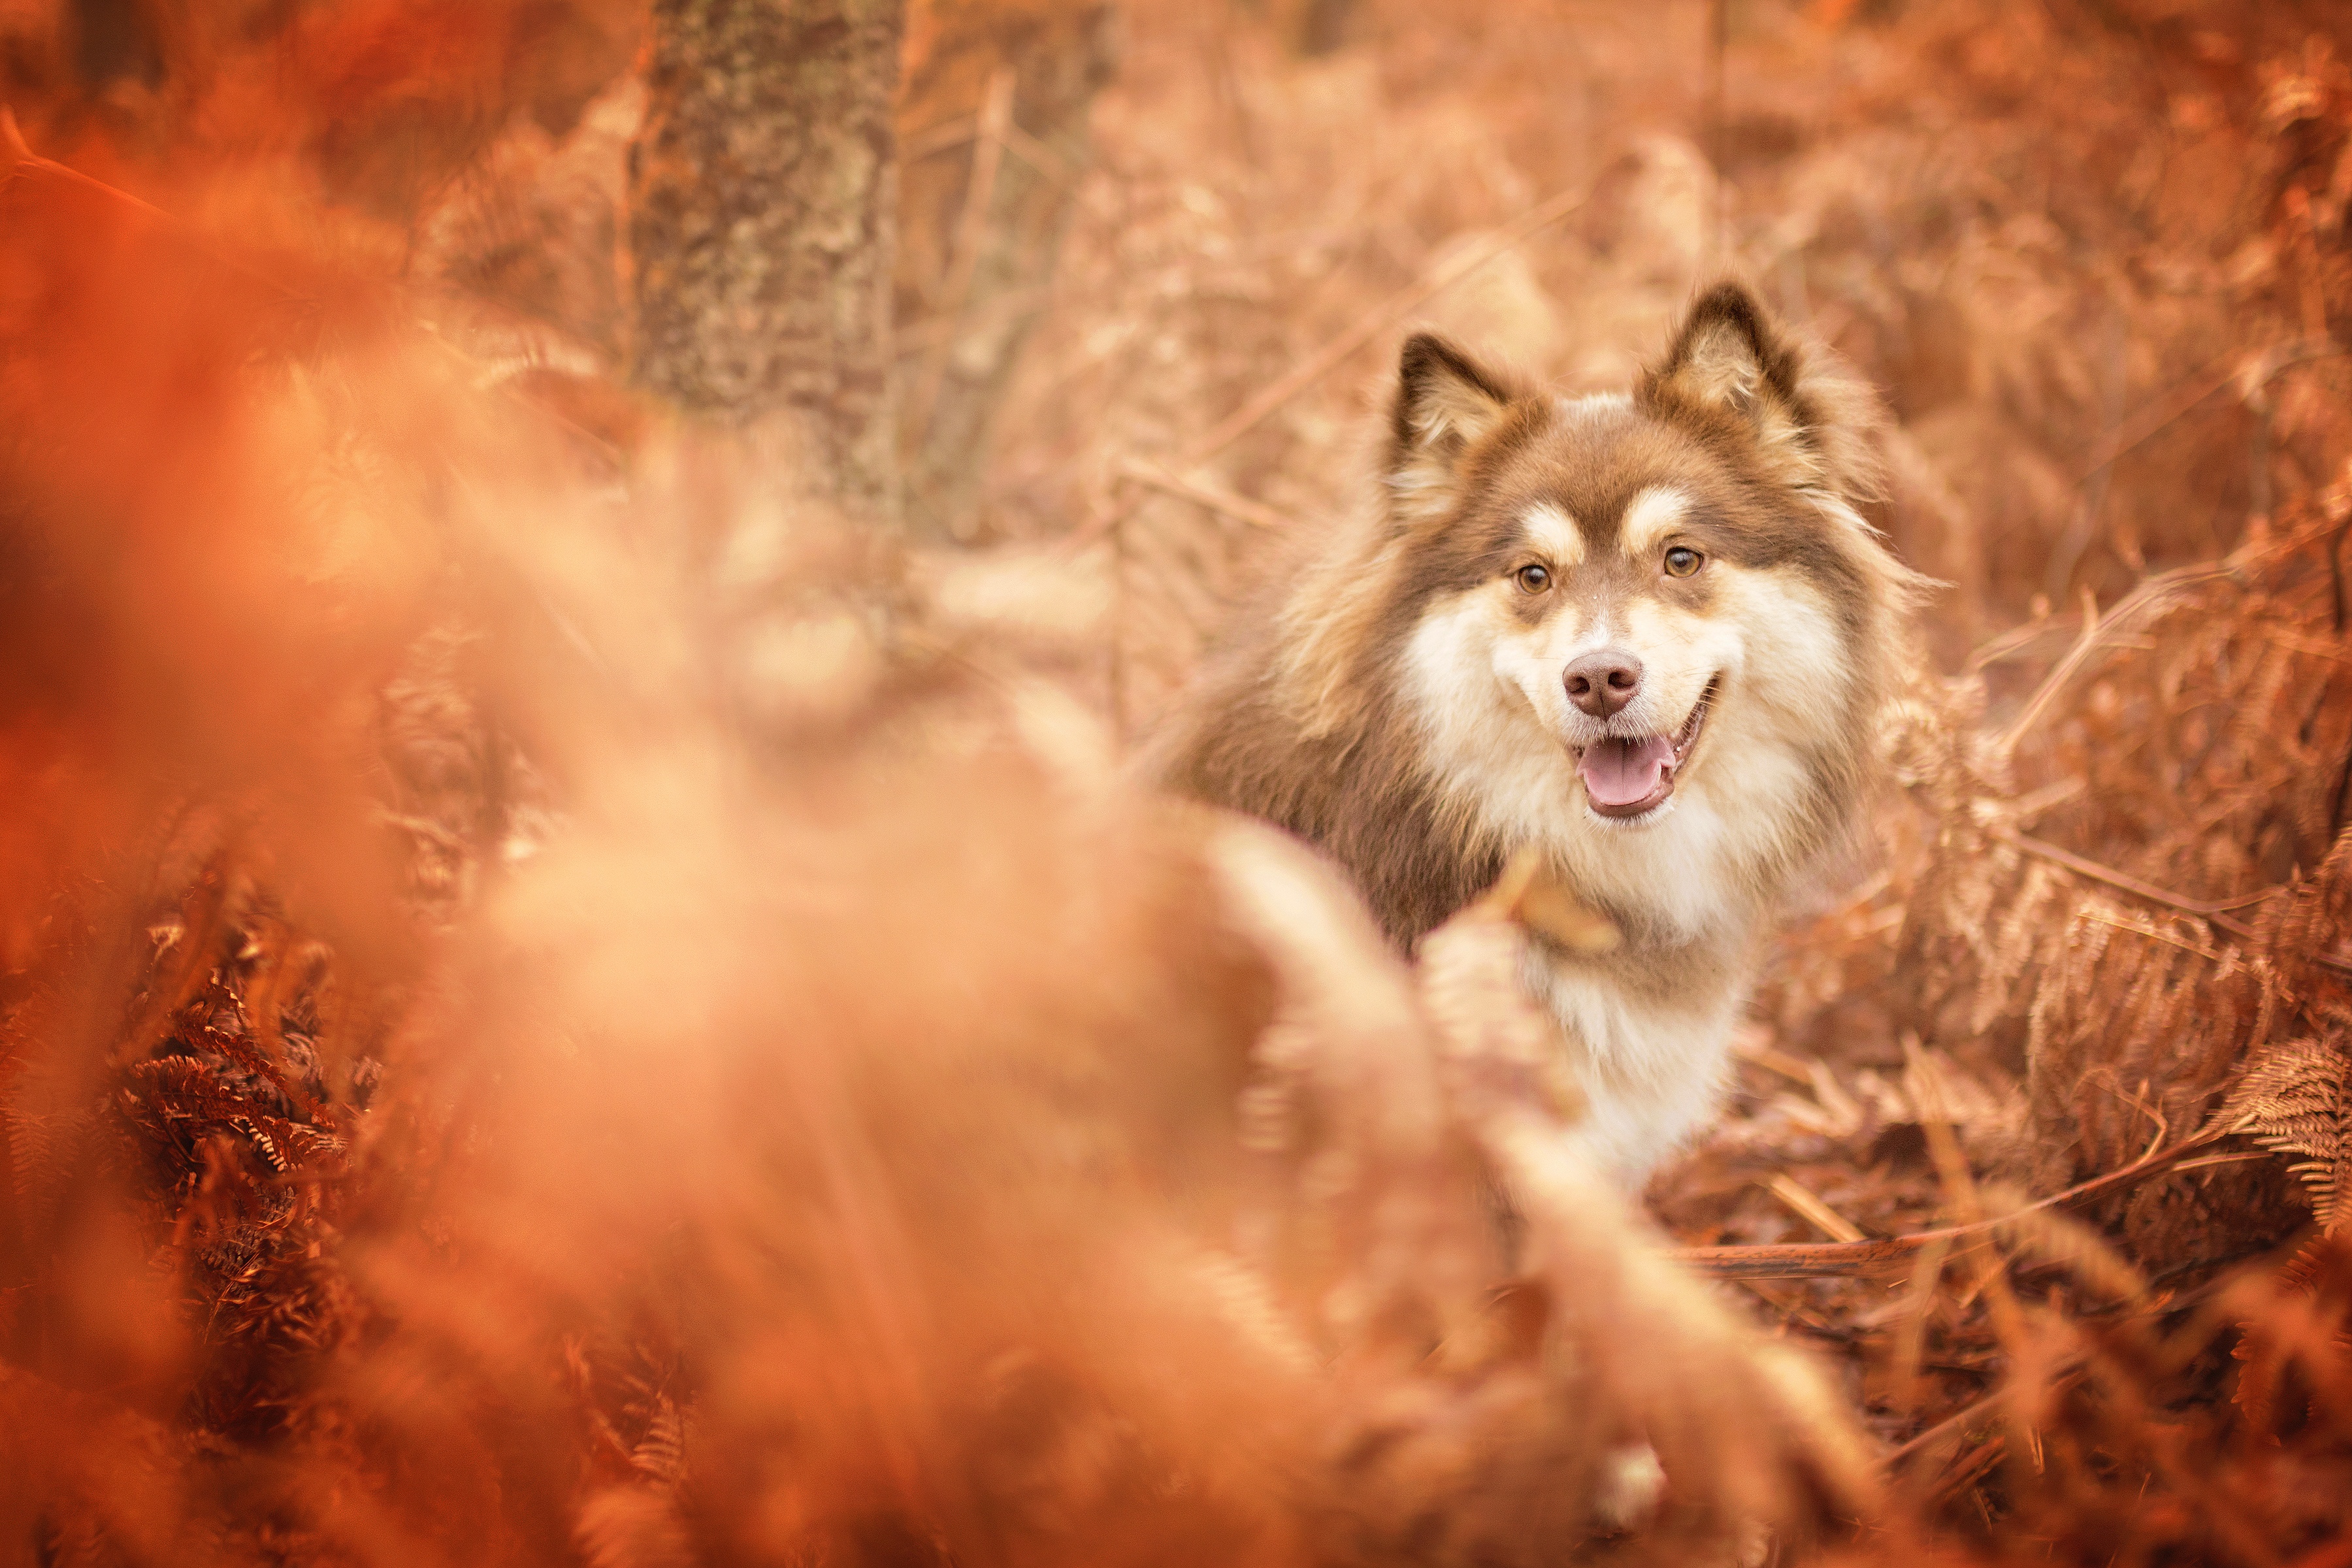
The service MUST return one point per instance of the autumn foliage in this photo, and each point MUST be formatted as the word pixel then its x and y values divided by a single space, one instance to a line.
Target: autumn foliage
pixel 480 1083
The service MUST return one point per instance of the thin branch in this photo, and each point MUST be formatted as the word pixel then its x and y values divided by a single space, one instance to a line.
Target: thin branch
pixel 2153 418
pixel 927 334
pixel 1974 1414
pixel 2141 928
pixel 1216 498
pixel 2091 494
pixel 2070 1370
pixel 1323 361
pixel 1970 1471
pixel 2009 644
pixel 1386 314
pixel 2206 908
pixel 971 237
pixel 1849 1258
pixel 950 134
pixel 2212 912
pixel 2157 593
pixel 1049 163
pixel 1718 189
pixel 2341 603
pixel 943 137
pixel 1811 1206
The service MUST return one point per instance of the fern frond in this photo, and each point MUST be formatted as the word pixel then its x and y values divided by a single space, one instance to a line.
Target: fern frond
pixel 2292 1101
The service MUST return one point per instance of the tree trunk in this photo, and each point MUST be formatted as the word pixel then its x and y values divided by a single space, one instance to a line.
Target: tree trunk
pixel 762 194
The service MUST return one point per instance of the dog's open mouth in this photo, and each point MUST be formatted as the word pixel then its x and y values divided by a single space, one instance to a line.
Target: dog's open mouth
pixel 1630 777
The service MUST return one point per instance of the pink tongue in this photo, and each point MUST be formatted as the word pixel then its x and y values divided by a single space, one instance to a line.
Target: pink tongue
pixel 1620 773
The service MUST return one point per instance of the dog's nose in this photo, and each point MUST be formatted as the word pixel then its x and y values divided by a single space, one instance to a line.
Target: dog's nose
pixel 1601 683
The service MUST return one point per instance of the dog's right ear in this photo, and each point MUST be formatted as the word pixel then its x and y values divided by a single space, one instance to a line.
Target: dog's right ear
pixel 1446 403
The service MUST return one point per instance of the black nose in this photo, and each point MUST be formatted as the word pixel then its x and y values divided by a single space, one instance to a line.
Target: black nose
pixel 1601 683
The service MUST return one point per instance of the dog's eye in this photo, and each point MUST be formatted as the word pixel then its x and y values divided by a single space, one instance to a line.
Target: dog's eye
pixel 1533 579
pixel 1682 561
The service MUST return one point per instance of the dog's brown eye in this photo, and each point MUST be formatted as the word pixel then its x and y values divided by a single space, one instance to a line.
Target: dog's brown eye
pixel 1533 579
pixel 1682 561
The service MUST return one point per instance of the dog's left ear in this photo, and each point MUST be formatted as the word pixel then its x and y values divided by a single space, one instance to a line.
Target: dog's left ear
pixel 1730 369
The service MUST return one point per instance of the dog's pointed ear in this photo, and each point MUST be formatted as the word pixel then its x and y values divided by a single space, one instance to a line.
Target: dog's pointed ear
pixel 1731 369
pixel 1446 403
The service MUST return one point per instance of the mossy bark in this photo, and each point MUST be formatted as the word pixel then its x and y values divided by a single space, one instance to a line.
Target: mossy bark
pixel 763 200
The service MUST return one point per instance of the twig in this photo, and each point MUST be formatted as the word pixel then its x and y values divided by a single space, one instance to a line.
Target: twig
pixel 971 233
pixel 2157 593
pixel 1794 1312
pixel 949 135
pixel 1970 1470
pixel 1216 498
pixel 1323 361
pixel 1911 1333
pixel 1810 1205
pixel 19 162
pixel 1717 26
pixel 1966 1416
pixel 1115 674
pixel 2343 601
pixel 1320 363
pixel 2091 493
pixel 18 157
pixel 2242 1157
pixel 943 137
pixel 2009 644
pixel 2153 418
pixel 1049 164
pixel 1848 1259
pixel 2342 604
pixel 2142 929
pixel 1773 1058
pixel 919 337
pixel 2295 643
pixel 2214 909
pixel 1963 1199
pixel 2070 1369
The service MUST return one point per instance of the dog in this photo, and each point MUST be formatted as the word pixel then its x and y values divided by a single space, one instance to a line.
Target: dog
pixel 1648 635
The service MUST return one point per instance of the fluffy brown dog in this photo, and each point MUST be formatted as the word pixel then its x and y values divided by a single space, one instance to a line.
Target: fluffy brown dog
pixel 1649 635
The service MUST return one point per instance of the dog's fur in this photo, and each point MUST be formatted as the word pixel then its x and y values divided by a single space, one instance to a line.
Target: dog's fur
pixel 1402 704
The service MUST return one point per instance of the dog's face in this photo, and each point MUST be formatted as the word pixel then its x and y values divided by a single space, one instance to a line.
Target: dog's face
pixel 1649 602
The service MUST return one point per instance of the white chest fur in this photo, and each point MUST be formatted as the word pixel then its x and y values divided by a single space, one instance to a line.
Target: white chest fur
pixel 1654 1068
pixel 1648 1029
